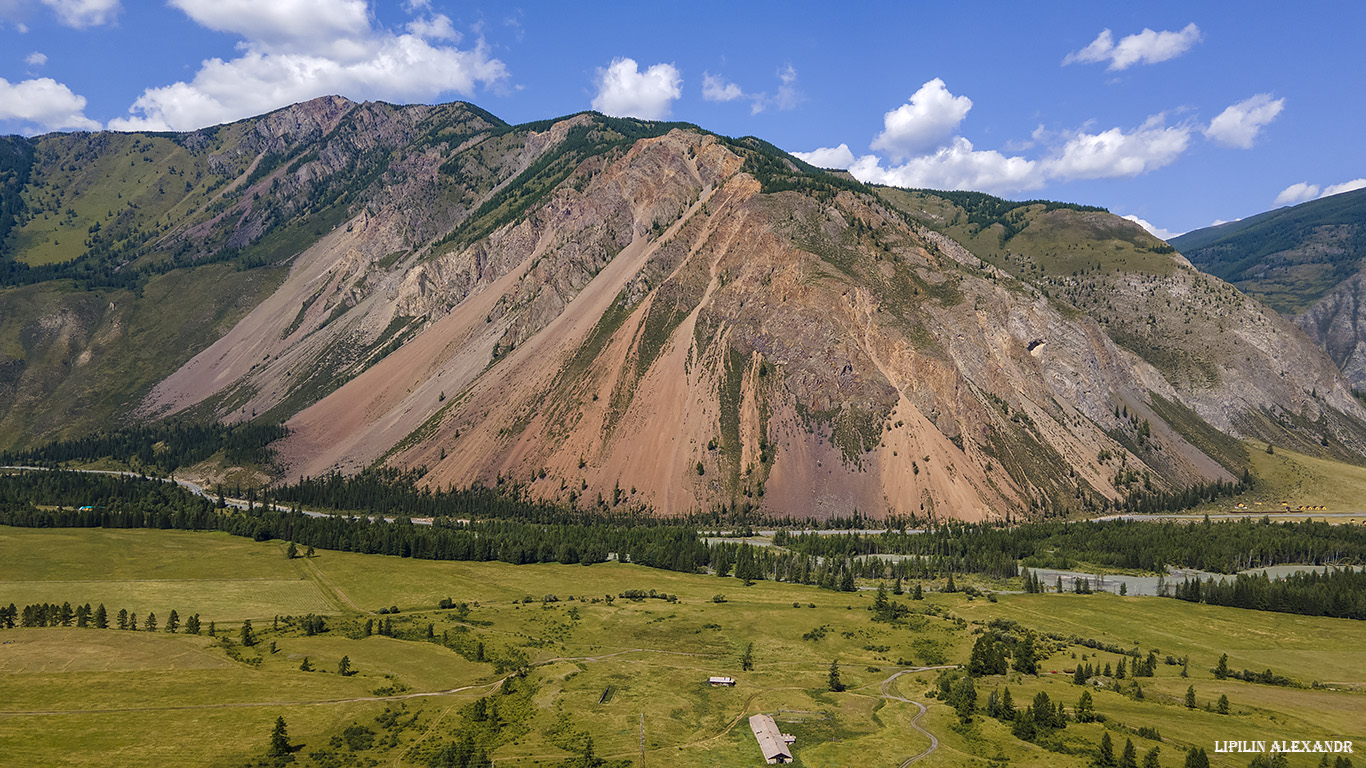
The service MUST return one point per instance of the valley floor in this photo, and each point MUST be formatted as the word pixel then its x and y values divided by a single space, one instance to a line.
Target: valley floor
pixel 629 674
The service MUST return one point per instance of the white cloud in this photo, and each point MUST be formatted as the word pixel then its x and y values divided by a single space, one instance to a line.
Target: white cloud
pixel 295 50
pixel 828 157
pixel 438 27
pixel 788 96
pixel 1304 191
pixel 1153 229
pixel 1297 193
pixel 1239 125
pixel 624 91
pixel 35 59
pixel 1346 186
pixel 84 13
pixel 924 123
pixel 288 26
pixel 715 88
pixel 1114 153
pixel 956 166
pixel 1146 47
pixel 45 103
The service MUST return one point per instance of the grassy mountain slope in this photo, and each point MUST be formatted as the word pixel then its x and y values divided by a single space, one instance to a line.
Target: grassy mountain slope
pixel 1288 258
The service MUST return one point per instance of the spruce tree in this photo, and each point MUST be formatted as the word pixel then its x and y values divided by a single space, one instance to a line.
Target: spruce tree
pixel 173 622
pixel 918 593
pixel 1025 663
pixel 248 637
pixel 279 740
pixel 151 622
pixel 344 666
pixel 1007 705
pixel 1197 758
pixel 950 587
pixel 101 617
pixel 1150 760
pixel 306 666
pixel 1222 707
pixel 1190 697
pixel 123 618
pixel 834 681
pixel 1105 753
pixel 896 588
pixel 1221 671
pixel 1129 757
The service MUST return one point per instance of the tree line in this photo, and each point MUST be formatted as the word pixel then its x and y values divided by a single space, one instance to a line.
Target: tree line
pixel 1336 593
pixel 164 447
pixel 83 616
pixel 1224 547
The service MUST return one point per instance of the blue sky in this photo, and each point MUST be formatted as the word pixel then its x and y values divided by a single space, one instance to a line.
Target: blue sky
pixel 1181 114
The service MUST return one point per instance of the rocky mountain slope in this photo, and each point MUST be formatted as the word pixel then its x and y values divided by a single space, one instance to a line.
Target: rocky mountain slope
pixel 1304 261
pixel 613 312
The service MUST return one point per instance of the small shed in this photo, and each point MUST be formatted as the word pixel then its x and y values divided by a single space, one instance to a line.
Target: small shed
pixel 771 742
pixel 716 680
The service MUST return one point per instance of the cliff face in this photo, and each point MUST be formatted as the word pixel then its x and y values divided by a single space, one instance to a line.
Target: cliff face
pixel 612 312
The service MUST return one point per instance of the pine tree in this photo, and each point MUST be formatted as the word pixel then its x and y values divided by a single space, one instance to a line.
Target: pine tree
pixel 306 666
pixel 212 630
pixel 1129 757
pixel 1024 727
pixel 896 588
pixel 1150 760
pixel 344 666
pixel 1086 708
pixel 151 622
pixel 747 660
pixel 964 698
pixel 1025 663
pixel 846 580
pixel 1105 753
pixel 192 625
pixel 133 622
pixel 1197 758
pixel 1120 672
pixel 1007 705
pixel 1190 697
pixel 248 637
pixel 834 681
pixel 950 587
pixel 123 618
pixel 1222 707
pixel 173 622
pixel 310 551
pixel 1221 671
pixel 101 617
pixel 918 593
pixel 292 552
pixel 279 740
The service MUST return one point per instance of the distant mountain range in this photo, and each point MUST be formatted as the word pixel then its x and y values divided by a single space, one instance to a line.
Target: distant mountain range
pixel 1305 262
pixel 620 313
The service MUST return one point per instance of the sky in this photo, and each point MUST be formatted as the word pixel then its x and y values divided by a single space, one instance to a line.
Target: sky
pixel 1179 115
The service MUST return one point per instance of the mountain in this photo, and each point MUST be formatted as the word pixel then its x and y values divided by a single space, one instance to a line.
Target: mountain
pixel 606 312
pixel 1304 261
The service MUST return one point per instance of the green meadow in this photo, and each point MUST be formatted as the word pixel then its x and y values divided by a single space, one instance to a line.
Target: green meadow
pixel 629 674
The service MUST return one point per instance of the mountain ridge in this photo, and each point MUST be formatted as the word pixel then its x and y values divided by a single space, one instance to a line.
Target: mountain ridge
pixel 610 311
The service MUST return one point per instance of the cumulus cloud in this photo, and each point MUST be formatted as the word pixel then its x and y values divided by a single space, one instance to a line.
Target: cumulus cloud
pixel 44 103
pixel 1304 191
pixel 1239 125
pixel 924 123
pixel 1115 153
pixel 84 13
pixel 35 59
pixel 1297 193
pixel 1146 47
pixel 715 88
pixel 828 157
pixel 625 91
pixel 1153 229
pixel 294 50
pixel 956 166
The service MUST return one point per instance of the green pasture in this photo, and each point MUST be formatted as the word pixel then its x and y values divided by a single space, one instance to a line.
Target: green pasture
pixel 602 669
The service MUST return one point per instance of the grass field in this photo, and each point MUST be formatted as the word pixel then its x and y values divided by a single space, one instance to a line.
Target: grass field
pixel 90 697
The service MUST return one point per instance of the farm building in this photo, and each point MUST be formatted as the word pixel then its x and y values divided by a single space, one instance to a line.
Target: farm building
pixel 715 680
pixel 773 744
